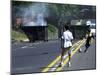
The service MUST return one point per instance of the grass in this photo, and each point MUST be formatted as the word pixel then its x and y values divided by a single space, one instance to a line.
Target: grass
pixel 18 36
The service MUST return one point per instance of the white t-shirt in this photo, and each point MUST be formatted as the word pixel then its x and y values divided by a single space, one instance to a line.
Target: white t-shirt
pixel 67 36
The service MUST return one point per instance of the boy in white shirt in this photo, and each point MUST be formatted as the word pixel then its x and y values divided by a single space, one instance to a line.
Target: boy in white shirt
pixel 67 38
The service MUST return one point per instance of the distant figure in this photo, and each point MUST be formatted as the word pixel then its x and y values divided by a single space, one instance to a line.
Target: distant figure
pixel 88 40
pixel 67 43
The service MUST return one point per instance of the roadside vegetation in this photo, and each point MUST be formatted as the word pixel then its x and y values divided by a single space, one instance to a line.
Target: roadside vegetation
pixel 18 35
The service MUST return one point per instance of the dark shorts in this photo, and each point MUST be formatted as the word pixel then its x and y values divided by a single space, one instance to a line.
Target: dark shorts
pixel 87 45
pixel 67 49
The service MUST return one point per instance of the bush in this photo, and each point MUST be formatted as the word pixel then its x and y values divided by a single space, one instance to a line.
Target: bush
pixel 52 32
pixel 18 36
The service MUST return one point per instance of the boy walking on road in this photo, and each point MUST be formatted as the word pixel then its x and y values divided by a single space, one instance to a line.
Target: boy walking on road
pixel 67 38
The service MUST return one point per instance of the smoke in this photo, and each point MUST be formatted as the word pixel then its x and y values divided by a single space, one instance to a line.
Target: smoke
pixel 33 14
pixel 40 20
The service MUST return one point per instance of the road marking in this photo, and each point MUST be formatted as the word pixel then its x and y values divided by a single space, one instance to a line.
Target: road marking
pixel 55 61
pixel 66 61
pixel 56 66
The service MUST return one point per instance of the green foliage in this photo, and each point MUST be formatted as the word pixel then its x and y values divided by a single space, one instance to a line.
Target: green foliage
pixel 51 28
pixel 18 36
pixel 52 32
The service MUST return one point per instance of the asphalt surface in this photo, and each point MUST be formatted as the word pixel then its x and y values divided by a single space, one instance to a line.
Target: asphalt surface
pixel 30 57
pixel 34 57
pixel 83 61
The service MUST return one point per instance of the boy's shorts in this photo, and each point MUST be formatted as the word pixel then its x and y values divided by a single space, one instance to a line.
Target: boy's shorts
pixel 67 49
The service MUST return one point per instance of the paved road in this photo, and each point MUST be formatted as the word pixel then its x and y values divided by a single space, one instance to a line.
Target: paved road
pixel 83 61
pixel 30 58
